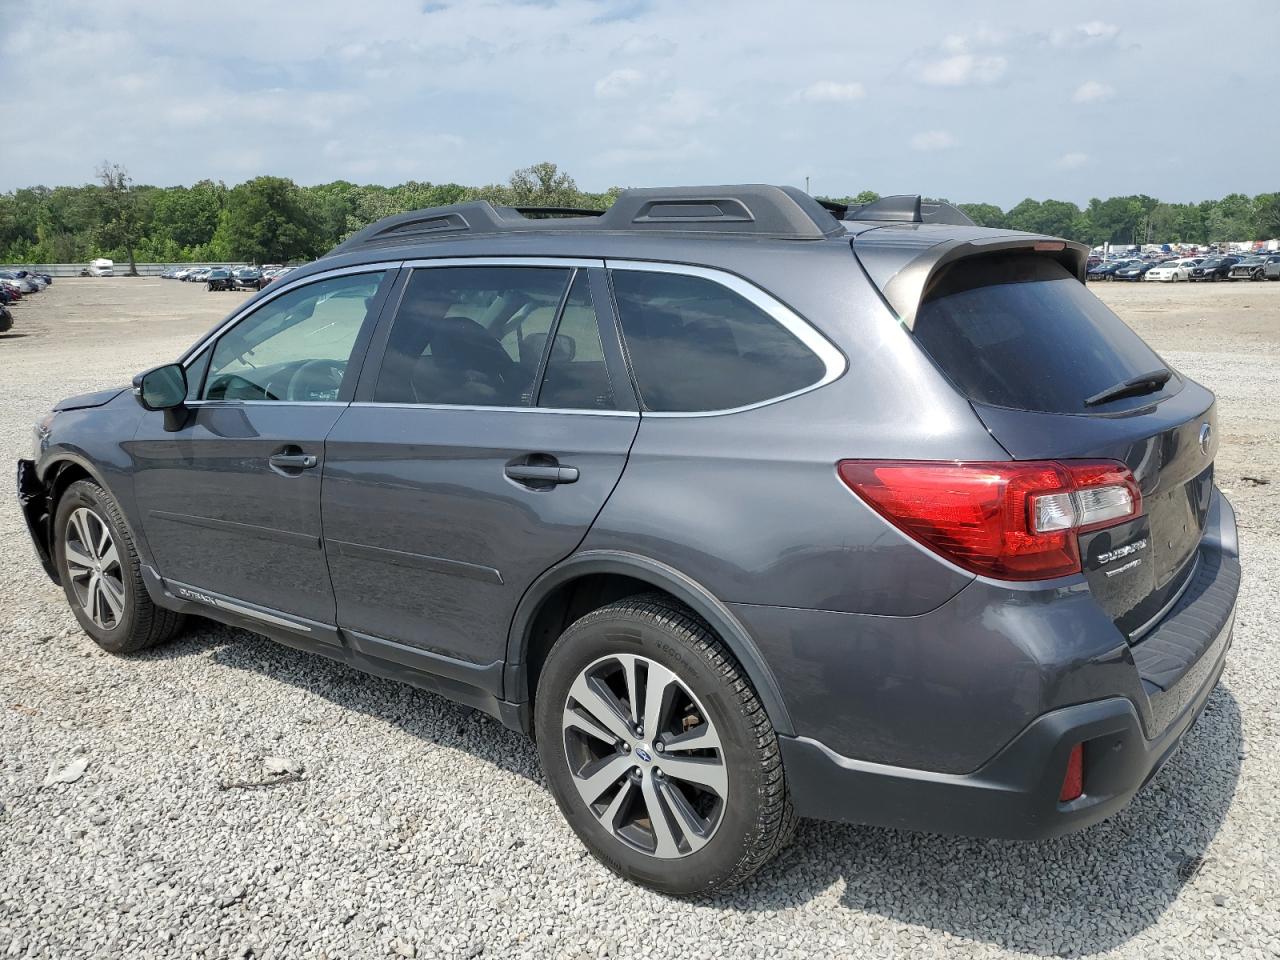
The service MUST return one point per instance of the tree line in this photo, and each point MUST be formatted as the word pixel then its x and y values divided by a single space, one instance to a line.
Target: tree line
pixel 274 220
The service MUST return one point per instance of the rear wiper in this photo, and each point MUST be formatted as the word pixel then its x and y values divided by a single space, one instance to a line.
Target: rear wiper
pixel 1133 387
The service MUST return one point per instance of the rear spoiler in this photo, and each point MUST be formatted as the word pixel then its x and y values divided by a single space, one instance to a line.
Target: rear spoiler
pixel 910 285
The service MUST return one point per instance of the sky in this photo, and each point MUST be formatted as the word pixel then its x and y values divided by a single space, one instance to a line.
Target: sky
pixel 992 102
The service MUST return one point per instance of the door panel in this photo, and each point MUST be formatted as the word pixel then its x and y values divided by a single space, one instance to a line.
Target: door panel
pixel 430 542
pixel 218 516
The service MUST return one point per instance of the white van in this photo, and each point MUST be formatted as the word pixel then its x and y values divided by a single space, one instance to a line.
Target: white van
pixel 101 268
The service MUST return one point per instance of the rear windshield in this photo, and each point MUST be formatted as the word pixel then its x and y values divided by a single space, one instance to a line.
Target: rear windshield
pixel 1020 331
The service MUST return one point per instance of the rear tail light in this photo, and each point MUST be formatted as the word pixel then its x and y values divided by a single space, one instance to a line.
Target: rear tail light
pixel 1011 520
pixel 1073 781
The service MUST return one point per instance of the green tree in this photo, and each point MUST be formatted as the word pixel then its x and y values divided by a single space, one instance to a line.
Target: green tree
pixel 543 185
pixel 122 220
pixel 985 214
pixel 1266 214
pixel 1057 218
pixel 266 221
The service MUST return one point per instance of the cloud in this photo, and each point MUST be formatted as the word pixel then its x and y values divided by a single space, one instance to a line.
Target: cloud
pixel 1091 91
pixel 647 46
pixel 931 140
pixel 619 83
pixel 963 69
pixel 1084 34
pixel 830 91
pixel 1071 161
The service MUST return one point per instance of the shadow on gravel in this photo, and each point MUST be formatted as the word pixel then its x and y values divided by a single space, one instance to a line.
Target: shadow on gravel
pixel 420 713
pixel 1071 896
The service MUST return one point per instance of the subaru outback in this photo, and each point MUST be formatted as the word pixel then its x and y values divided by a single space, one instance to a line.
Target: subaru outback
pixel 746 507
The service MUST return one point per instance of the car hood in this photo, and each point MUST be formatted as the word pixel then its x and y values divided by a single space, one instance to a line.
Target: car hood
pixel 84 401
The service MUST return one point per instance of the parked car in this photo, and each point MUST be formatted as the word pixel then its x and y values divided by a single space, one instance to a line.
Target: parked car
pixel 247 278
pixel 1271 269
pixel 1106 271
pixel 198 275
pixel 1172 271
pixel 1135 270
pixel 23 284
pixel 1252 268
pixel 101 267
pixel 629 481
pixel 219 279
pixel 6 318
pixel 1213 268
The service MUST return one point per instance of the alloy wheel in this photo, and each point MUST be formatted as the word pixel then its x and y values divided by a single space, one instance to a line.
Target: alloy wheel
pixel 645 756
pixel 93 566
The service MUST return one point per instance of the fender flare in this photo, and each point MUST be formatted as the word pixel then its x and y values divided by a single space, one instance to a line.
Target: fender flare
pixel 660 575
pixel 52 465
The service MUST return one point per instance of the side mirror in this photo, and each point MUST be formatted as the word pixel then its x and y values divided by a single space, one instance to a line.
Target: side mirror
pixel 164 388
pixel 161 388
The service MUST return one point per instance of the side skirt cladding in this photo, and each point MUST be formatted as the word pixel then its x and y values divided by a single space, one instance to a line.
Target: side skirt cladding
pixel 473 685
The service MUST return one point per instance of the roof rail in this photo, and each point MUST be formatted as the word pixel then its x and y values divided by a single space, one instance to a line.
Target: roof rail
pixel 746 210
pixel 909 208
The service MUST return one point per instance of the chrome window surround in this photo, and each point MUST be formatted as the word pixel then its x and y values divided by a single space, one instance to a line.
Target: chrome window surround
pixel 832 359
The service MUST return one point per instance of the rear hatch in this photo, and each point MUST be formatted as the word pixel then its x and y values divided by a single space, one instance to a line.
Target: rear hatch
pixel 1041 360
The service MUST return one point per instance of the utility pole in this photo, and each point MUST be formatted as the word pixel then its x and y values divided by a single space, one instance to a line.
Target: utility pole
pixel 806 184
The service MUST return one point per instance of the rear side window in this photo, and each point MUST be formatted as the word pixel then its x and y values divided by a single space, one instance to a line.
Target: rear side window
pixel 697 346
pixel 1020 331
pixel 471 336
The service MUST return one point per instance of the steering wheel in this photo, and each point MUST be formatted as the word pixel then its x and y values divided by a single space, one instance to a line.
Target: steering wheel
pixel 316 376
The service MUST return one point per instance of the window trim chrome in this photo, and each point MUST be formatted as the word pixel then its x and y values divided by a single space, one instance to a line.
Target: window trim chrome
pixel 514 260
pixel 831 356
pixel 194 351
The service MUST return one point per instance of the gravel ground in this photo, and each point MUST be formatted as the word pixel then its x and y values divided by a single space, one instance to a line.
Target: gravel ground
pixel 412 827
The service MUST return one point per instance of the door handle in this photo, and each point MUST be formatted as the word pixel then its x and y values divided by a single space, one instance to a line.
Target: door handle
pixel 293 461
pixel 531 473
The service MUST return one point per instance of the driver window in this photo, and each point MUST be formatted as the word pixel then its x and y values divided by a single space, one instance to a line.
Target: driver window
pixel 296 347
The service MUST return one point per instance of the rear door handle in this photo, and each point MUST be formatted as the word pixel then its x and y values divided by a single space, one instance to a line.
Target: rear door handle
pixel 529 473
pixel 293 461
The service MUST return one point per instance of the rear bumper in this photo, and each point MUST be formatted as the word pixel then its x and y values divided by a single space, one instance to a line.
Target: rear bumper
pixel 1127 734
pixel 33 498
pixel 1015 794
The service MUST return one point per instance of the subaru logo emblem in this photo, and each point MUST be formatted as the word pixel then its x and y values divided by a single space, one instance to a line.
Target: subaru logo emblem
pixel 1206 435
pixel 643 754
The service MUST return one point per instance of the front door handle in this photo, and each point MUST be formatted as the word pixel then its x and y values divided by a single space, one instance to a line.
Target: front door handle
pixel 532 473
pixel 293 462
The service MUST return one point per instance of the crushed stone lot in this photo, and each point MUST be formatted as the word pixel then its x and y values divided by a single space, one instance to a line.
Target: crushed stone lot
pixel 225 796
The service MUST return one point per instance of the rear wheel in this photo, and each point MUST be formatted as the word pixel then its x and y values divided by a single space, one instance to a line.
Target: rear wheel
pixel 101 573
pixel 658 751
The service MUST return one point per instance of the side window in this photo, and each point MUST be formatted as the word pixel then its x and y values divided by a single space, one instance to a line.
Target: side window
pixel 471 336
pixel 577 377
pixel 295 347
pixel 696 345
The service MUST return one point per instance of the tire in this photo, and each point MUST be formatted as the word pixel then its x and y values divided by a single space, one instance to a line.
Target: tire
pixel 709 698
pixel 104 584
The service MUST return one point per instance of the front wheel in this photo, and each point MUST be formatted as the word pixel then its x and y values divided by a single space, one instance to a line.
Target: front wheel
pixel 101 573
pixel 658 750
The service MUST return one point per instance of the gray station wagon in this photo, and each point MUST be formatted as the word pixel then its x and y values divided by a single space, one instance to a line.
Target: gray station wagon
pixel 747 507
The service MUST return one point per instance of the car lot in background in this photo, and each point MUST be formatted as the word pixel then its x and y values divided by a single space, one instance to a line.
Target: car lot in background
pixel 1135 270
pixel 1107 270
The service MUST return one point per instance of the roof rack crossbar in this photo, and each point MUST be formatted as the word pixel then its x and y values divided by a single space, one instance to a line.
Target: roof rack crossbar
pixel 754 210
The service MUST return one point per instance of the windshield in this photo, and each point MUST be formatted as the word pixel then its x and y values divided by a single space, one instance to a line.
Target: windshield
pixel 1019 331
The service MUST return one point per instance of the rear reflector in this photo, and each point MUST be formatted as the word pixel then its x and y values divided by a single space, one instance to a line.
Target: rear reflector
pixel 1011 520
pixel 1073 782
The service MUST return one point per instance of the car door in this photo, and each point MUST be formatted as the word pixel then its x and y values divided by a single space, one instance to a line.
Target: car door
pixel 230 503
pixel 492 422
